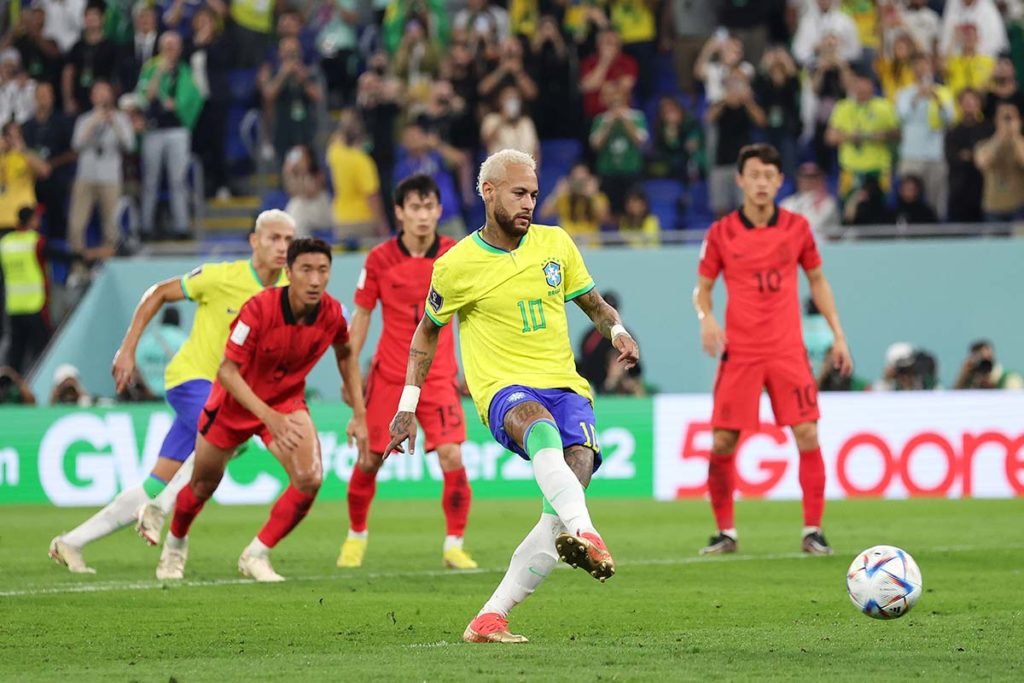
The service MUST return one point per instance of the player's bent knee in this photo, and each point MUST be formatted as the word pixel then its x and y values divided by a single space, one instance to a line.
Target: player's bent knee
pixel 806 435
pixel 449 455
pixel 724 442
pixel 371 463
pixel 307 482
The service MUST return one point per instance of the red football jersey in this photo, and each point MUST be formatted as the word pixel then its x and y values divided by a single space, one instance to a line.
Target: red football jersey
pixel 274 350
pixel 400 281
pixel 762 313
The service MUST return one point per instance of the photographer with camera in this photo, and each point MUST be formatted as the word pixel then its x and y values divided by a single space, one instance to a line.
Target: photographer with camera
pixel 908 369
pixel 981 370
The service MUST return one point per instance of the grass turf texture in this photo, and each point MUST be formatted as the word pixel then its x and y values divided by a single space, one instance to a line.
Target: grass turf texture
pixel 766 613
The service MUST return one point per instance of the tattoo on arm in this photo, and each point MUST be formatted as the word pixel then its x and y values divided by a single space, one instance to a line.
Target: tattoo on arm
pixel 421 352
pixel 603 315
pixel 421 361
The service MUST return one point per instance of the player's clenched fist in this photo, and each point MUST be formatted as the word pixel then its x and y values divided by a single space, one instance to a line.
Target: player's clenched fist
pixel 403 427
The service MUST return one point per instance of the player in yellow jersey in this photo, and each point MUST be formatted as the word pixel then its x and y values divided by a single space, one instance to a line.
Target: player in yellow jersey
pixel 219 289
pixel 509 283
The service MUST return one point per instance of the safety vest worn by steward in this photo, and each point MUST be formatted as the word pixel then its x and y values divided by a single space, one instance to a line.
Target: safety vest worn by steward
pixel 24 281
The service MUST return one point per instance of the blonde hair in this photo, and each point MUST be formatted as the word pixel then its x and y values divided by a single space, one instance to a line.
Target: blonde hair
pixel 273 216
pixel 495 166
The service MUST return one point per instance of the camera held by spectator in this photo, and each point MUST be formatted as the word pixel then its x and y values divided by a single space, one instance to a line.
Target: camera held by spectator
pixel 981 370
pixel 908 369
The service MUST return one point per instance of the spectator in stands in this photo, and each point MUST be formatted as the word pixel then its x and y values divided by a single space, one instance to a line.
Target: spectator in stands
pixel 556 111
pixel 336 43
pixel 14 390
pixel 172 106
pixel 93 58
pixel 17 90
pixel 918 19
pixel 966 183
pixel 426 153
pixel 177 15
pixel 926 112
pixel 721 59
pixel 677 144
pixel 102 136
pixel 896 70
pixel 19 168
pixel 461 70
pixel 68 389
pixel 131 104
pixel 418 59
pixel 777 91
pixel 210 61
pixel 618 139
pixel 831 379
pixel 734 119
pixel 984 15
pixel 756 24
pixel 358 208
pixel 865 16
pixel 63 22
pixel 48 135
pixel 578 205
pixel 686 26
pixel 638 226
pixel 813 201
pixel 608 64
pixel 431 14
pixel 156 348
pixel 134 55
pixel 308 202
pixel 510 127
pixel 40 55
pixel 829 75
pixel 481 17
pixel 446 115
pixel 863 126
pixel 508 70
pixel 635 22
pixel 826 18
pixel 1003 88
pixel 291 24
pixel 981 370
pixel 908 369
pixel 866 204
pixel 911 207
pixel 379 99
pixel 290 96
pixel 968 68
pixel 249 31
pixel 25 301
pixel 1001 161
pixel 597 362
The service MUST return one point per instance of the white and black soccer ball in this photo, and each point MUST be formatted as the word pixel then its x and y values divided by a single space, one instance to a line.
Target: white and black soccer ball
pixel 884 582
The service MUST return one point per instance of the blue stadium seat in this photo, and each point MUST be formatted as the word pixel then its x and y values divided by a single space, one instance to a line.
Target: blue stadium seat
pixel 274 199
pixel 560 153
pixel 242 84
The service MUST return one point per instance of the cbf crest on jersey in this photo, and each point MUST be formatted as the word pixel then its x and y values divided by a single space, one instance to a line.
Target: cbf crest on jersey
pixel 553 273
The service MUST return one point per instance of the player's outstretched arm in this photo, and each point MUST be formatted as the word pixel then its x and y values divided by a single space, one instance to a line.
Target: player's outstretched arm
pixel 712 337
pixel 150 304
pixel 606 319
pixel 287 431
pixel 421 356
pixel 352 392
pixel 821 294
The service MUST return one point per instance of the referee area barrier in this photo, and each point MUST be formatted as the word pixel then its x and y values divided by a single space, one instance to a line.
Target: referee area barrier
pixel 892 445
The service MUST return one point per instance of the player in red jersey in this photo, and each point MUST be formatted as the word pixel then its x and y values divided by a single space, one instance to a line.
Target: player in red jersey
pixel 757 250
pixel 397 275
pixel 278 337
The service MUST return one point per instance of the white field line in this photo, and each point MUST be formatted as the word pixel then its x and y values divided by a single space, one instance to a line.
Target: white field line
pixel 111 586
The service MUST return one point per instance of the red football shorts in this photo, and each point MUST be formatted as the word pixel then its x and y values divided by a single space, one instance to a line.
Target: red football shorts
pixel 738 385
pixel 439 412
pixel 229 426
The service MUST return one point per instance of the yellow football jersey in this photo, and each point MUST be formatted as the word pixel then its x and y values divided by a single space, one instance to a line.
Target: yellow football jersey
pixel 511 307
pixel 220 289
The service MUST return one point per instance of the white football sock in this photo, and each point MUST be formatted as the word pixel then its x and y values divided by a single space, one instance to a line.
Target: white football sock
pixel 562 490
pixel 257 548
pixel 360 535
pixel 118 513
pixel 731 533
pixel 173 542
pixel 165 499
pixel 811 530
pixel 452 542
pixel 532 561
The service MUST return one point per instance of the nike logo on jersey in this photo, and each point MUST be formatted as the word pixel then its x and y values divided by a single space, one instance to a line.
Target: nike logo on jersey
pixel 232 311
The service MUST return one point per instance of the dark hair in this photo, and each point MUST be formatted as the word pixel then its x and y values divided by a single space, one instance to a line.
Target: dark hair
pixel 97 5
pixel 419 184
pixel 171 316
pixel 980 344
pixel 308 245
pixel 763 152
pixel 25 215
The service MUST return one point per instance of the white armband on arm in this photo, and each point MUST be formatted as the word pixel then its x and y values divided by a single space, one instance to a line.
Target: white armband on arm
pixel 410 399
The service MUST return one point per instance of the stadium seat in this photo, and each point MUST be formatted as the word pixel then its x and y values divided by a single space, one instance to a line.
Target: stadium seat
pixel 560 153
pixel 664 198
pixel 273 199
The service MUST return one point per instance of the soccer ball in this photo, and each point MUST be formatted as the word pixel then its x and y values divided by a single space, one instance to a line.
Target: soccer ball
pixel 884 582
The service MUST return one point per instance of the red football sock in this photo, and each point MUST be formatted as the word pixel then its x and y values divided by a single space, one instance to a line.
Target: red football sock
pixel 362 486
pixel 288 511
pixel 721 481
pixel 186 506
pixel 812 483
pixel 455 500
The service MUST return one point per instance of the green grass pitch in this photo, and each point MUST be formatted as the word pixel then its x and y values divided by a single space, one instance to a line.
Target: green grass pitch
pixel 766 613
